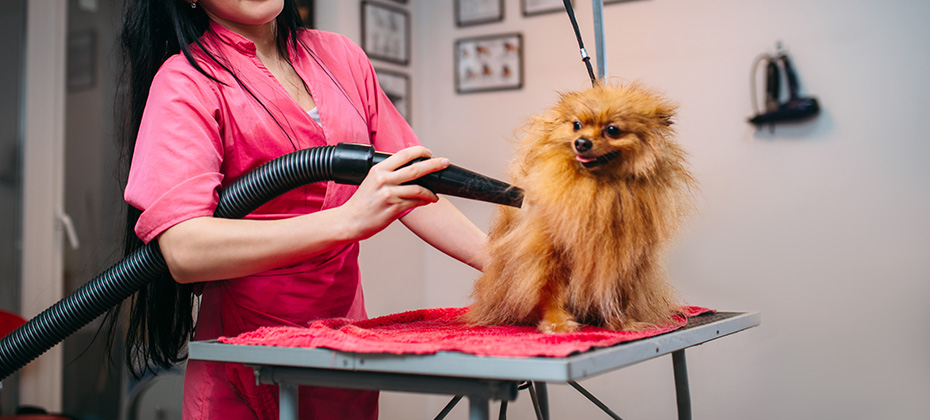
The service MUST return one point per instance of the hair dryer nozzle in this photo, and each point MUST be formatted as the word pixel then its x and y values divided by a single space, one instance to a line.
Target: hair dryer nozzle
pixel 461 182
pixel 351 163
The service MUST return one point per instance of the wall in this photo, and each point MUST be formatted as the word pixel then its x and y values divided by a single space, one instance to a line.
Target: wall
pixel 12 18
pixel 820 226
pixel 43 116
pixel 12 21
pixel 93 200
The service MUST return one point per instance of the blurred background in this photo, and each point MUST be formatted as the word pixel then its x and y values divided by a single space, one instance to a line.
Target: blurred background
pixel 820 225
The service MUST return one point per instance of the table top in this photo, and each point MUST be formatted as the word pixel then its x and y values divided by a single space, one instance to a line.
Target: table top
pixel 700 329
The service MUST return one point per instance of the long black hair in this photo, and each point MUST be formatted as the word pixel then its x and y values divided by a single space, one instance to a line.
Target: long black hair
pixel 160 315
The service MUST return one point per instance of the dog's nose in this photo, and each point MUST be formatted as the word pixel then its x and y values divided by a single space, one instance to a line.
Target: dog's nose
pixel 583 145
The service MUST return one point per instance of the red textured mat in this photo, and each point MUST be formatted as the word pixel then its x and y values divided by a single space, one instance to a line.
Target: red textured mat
pixel 427 331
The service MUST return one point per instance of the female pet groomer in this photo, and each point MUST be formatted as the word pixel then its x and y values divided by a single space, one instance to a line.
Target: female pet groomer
pixel 228 85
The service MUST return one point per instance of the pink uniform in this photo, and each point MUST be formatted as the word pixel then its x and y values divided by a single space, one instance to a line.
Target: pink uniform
pixel 197 136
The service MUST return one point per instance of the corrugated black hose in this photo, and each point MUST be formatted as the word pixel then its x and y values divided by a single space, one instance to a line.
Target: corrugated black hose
pixel 345 163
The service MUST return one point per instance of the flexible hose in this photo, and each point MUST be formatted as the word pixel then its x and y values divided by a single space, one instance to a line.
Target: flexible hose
pixel 273 179
pixel 345 163
pixel 78 309
pixel 129 275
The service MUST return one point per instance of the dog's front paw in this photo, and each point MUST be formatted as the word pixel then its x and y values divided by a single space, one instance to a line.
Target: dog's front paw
pixel 552 326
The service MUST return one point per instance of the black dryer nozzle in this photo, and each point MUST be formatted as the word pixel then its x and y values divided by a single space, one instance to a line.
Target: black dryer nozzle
pixel 351 163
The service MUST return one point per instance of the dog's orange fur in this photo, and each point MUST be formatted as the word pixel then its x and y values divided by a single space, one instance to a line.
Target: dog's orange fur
pixel 586 246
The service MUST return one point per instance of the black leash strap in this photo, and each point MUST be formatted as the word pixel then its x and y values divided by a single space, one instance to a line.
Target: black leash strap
pixel 584 53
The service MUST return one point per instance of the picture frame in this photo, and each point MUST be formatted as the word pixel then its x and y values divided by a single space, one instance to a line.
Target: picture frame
pixel 606 2
pixel 386 33
pixel 541 7
pixel 476 12
pixel 489 63
pixel 396 86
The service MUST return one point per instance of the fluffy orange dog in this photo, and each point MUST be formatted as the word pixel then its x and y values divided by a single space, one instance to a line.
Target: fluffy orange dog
pixel 606 187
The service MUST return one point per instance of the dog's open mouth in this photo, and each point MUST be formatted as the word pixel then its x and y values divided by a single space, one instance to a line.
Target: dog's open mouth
pixel 597 161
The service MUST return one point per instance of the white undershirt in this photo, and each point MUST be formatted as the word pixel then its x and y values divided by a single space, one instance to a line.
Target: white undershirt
pixel 315 114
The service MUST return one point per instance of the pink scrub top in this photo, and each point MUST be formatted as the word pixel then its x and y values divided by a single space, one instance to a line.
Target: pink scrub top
pixel 197 136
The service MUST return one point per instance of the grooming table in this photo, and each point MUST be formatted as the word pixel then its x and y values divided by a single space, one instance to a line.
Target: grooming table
pixel 479 378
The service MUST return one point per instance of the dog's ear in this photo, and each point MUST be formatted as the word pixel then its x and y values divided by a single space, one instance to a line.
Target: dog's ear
pixel 665 112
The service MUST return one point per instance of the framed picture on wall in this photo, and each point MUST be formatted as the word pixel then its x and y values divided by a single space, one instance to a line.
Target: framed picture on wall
pixel 489 63
pixel 538 7
pixel 397 88
pixel 475 12
pixel 386 33
pixel 618 1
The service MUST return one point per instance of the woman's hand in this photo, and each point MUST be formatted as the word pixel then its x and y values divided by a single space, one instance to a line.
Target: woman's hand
pixel 210 248
pixel 381 198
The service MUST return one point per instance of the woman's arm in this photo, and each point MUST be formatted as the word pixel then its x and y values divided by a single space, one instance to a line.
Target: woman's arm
pixel 207 248
pixel 444 227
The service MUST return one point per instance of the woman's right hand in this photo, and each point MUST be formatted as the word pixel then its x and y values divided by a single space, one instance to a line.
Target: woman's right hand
pixel 382 197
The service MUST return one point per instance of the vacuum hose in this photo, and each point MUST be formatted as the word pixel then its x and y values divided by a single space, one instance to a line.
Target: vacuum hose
pixel 344 163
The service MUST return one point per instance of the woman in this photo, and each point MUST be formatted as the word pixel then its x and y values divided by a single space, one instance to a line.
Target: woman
pixel 218 87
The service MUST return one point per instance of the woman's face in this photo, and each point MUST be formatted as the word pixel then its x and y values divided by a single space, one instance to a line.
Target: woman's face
pixel 242 14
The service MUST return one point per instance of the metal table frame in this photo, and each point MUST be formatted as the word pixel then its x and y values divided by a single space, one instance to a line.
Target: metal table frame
pixel 480 378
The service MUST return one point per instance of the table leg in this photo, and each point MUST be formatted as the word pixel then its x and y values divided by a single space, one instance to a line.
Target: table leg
pixel 542 395
pixel 288 401
pixel 682 393
pixel 445 410
pixel 594 400
pixel 478 408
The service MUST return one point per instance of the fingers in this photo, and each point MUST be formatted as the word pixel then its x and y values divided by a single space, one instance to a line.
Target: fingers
pixel 419 169
pixel 400 174
pixel 397 199
pixel 403 156
pixel 416 193
pixel 385 193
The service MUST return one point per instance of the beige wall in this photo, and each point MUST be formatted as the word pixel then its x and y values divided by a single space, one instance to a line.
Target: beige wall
pixel 820 226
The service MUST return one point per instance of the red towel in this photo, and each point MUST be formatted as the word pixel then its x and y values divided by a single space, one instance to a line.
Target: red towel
pixel 427 331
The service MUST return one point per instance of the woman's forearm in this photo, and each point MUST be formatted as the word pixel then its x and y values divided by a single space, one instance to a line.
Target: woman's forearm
pixel 208 248
pixel 444 227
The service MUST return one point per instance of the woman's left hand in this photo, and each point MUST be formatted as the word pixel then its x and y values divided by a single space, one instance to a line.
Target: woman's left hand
pixel 384 195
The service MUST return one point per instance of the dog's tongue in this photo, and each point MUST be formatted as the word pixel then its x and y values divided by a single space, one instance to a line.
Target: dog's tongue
pixel 583 159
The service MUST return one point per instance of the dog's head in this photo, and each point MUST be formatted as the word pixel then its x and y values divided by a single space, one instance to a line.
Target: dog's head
pixel 622 130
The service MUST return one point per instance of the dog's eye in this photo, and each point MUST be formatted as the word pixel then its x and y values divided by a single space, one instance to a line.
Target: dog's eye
pixel 613 132
pixel 576 125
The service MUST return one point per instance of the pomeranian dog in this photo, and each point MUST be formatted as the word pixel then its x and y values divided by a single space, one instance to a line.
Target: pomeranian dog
pixel 606 187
